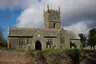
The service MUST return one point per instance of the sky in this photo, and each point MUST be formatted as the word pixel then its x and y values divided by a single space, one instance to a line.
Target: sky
pixel 76 15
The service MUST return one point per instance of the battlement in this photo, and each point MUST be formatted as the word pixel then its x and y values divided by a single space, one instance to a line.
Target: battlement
pixel 51 10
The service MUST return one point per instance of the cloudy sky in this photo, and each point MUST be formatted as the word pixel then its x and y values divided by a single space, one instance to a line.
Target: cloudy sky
pixel 77 15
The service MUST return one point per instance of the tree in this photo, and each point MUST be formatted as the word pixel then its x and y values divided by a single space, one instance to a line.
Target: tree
pixel 92 38
pixel 83 40
pixel 1 34
pixel 3 42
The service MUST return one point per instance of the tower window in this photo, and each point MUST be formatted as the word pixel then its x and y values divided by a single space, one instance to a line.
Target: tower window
pixel 54 25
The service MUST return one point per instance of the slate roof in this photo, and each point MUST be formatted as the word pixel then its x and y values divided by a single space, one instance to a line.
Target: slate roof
pixel 73 35
pixel 31 31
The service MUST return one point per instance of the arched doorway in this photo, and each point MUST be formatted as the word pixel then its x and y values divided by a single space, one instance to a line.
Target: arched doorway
pixel 38 45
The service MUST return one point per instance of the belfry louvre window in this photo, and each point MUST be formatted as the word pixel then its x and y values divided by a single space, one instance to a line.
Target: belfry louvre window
pixel 54 25
pixel 21 41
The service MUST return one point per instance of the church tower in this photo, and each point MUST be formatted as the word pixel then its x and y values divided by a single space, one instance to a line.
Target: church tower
pixel 52 18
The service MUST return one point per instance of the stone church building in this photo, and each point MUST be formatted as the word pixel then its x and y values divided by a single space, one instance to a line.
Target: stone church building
pixel 51 36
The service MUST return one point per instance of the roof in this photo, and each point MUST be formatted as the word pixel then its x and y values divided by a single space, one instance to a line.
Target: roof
pixel 73 35
pixel 31 31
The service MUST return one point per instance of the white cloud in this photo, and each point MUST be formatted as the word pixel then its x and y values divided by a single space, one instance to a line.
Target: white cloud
pixel 32 16
pixel 79 27
pixel 11 4
pixel 4 4
pixel 23 3
pixel 66 5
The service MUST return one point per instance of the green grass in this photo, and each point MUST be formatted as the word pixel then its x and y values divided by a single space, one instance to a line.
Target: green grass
pixel 2 48
pixel 53 50
pixel 60 51
pixel 12 49
pixel 47 51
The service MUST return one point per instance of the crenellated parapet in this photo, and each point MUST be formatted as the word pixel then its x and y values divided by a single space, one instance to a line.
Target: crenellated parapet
pixel 51 10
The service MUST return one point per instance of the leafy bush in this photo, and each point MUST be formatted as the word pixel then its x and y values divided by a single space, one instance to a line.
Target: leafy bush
pixel 53 50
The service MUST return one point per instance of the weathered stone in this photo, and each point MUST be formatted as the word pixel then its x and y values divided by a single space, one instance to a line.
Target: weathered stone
pixel 52 36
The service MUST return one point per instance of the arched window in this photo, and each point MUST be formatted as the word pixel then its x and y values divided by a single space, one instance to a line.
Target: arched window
pixel 62 38
pixel 53 25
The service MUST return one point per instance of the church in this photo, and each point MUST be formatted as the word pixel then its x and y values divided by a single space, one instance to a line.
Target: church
pixel 51 36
